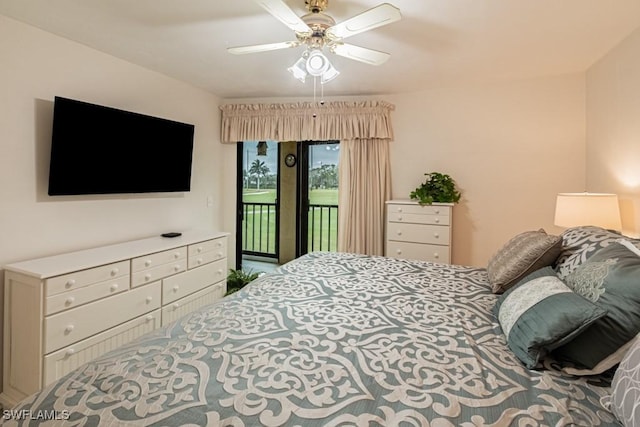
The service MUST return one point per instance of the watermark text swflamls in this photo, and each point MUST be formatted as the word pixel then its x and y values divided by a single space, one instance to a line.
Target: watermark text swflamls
pixel 28 414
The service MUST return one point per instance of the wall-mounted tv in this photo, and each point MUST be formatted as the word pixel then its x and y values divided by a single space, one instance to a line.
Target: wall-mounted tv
pixel 103 150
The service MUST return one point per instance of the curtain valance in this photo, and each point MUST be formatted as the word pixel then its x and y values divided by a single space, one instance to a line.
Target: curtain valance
pixel 305 121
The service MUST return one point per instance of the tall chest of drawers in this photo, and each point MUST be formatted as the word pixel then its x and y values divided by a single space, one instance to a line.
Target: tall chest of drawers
pixel 422 232
pixel 65 310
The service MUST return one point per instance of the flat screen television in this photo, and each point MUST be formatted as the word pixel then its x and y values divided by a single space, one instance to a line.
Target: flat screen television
pixel 103 150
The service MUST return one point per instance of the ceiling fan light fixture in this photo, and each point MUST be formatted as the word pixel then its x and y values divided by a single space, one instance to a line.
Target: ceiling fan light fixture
pixel 299 69
pixel 329 75
pixel 317 63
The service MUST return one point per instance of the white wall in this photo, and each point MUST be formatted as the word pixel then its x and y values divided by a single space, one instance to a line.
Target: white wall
pixel 511 147
pixel 35 67
pixel 613 129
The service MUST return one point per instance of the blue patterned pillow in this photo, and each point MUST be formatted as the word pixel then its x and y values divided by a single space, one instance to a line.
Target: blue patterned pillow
pixel 541 313
pixel 578 244
pixel 611 279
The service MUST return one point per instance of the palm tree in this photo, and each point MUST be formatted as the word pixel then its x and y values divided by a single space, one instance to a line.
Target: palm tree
pixel 258 168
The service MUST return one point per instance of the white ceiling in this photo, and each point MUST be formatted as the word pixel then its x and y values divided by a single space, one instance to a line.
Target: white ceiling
pixel 437 42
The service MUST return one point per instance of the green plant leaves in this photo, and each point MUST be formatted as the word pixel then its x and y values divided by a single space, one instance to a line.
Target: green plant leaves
pixel 438 187
pixel 238 279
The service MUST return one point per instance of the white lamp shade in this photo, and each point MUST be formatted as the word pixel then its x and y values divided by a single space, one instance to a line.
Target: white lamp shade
pixel 329 75
pixel 299 70
pixel 317 63
pixel 599 209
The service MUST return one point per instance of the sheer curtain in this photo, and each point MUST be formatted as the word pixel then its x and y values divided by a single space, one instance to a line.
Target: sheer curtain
pixel 364 131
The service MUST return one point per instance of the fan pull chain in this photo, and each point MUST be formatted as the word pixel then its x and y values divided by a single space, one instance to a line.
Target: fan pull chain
pixel 315 79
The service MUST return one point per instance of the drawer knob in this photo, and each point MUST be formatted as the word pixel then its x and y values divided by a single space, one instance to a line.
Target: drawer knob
pixel 70 283
pixel 114 287
pixel 149 299
pixel 70 352
pixel 147 263
pixel 436 235
pixel 69 300
pixel 436 255
pixel 69 329
pixel 147 276
pixel 199 249
pixel 176 255
pixel 219 272
pixel 115 271
pixel 399 209
pixel 177 267
pixel 199 261
pixel 437 211
pixel 176 306
pixel 399 233
pixel 219 244
pixel 219 254
pixel 149 318
pixel 176 288
pixel 437 221
pixel 399 218
pixel 399 252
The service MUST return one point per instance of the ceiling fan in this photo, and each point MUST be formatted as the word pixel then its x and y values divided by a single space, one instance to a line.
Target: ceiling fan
pixel 317 30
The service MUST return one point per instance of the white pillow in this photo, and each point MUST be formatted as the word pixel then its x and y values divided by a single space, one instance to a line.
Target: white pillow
pixel 625 387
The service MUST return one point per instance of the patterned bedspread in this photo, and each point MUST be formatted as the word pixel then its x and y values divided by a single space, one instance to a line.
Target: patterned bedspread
pixel 330 340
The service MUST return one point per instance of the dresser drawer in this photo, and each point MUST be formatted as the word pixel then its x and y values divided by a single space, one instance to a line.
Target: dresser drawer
pixel 418 209
pixel 205 258
pixel 78 279
pixel 425 252
pixel 193 302
pixel 61 362
pixel 418 233
pixel 63 329
pixel 152 274
pixel 183 284
pixel 158 258
pixel 419 218
pixel 77 297
pixel 217 245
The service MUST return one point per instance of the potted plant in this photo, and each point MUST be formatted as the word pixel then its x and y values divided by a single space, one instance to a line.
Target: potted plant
pixel 238 279
pixel 438 187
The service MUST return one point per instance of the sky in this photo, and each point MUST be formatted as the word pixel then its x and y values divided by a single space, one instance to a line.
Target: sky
pixel 319 154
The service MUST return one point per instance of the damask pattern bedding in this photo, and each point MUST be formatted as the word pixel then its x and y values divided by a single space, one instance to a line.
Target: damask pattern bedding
pixel 331 339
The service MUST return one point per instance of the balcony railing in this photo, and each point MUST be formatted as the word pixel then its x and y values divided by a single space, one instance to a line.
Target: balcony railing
pixel 259 229
pixel 323 228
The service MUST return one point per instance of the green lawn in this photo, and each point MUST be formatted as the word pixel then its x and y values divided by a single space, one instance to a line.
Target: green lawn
pixel 263 239
pixel 316 197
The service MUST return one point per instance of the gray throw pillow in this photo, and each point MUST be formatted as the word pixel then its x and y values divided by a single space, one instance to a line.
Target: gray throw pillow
pixel 541 313
pixel 578 244
pixel 610 278
pixel 521 255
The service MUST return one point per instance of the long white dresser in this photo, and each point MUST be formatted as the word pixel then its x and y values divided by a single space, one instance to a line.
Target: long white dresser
pixel 417 231
pixel 64 310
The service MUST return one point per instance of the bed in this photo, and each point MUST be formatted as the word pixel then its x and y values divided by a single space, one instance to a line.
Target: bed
pixel 331 339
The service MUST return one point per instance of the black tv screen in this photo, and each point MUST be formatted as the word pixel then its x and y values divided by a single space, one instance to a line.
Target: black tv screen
pixel 104 150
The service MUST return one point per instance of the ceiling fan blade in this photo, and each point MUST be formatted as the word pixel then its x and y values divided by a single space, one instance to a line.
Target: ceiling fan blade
pixel 241 50
pixel 284 14
pixel 373 18
pixel 362 54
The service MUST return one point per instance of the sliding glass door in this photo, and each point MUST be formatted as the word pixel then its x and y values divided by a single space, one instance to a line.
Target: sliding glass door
pixel 258 198
pixel 318 196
